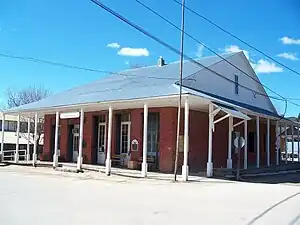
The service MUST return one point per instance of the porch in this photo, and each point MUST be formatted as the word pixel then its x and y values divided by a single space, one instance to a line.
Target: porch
pixel 143 132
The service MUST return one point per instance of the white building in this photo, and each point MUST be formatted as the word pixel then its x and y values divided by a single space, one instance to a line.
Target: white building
pixel 10 137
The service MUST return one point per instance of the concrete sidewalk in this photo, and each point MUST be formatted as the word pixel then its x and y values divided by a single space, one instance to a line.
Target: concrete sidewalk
pixel 45 196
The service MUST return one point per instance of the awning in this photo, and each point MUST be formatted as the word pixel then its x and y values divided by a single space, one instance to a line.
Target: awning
pixel 231 111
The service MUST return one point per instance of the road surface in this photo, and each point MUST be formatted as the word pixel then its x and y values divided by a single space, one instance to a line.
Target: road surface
pixel 43 196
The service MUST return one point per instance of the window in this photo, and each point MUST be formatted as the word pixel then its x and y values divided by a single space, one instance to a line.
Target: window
pixel 102 119
pixel 236 84
pixel 153 134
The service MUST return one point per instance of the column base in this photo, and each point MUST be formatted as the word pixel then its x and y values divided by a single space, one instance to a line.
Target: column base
pixel 16 157
pixel 79 163
pixel 34 159
pixel 229 163
pixel 209 169
pixel 28 157
pixel 185 173
pixel 107 167
pixel 144 169
pixel 55 161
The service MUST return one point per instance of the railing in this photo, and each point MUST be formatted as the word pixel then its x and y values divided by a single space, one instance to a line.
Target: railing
pixel 9 155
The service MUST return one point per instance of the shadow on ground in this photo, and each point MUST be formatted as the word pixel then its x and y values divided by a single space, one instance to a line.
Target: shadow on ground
pixel 293 178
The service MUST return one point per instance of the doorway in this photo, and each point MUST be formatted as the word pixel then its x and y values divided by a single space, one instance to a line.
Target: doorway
pixel 101 145
pixel 75 142
pixel 122 140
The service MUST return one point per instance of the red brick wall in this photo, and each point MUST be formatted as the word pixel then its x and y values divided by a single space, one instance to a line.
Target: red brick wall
pixel 167 137
pixel 198 138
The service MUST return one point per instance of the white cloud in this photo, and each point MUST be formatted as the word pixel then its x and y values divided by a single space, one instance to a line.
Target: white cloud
pixel 290 41
pixel 264 66
pixel 199 52
pixel 290 56
pixel 234 49
pixel 113 45
pixel 133 52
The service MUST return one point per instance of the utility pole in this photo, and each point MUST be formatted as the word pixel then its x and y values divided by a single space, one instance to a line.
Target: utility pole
pixel 180 89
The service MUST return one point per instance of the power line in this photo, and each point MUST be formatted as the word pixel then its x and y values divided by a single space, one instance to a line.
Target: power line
pixel 140 29
pixel 36 60
pixel 205 46
pixel 237 38
pixel 216 53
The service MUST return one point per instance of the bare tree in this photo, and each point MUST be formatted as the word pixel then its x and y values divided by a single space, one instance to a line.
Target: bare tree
pixel 23 97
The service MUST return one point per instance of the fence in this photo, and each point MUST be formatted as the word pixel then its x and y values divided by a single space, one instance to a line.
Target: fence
pixel 9 155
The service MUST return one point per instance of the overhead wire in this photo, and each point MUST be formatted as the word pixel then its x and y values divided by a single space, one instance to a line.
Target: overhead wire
pixel 237 38
pixel 36 60
pixel 216 53
pixel 142 30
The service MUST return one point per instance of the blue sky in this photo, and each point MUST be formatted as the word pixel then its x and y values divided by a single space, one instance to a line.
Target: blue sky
pixel 78 33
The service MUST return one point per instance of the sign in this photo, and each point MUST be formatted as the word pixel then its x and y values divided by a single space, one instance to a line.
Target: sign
pixel 69 115
pixel 134 145
pixel 236 142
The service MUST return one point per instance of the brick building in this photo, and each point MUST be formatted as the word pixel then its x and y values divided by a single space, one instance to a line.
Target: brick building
pixel 130 118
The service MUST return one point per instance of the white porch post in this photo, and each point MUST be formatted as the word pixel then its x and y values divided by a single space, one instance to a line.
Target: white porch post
pixel 79 159
pixel 18 140
pixel 246 144
pixel 268 142
pixel 108 154
pixel 145 141
pixel 257 142
pixel 34 156
pixel 55 156
pixel 185 167
pixel 298 134
pixel 209 166
pixel 277 142
pixel 293 150
pixel 2 137
pixel 28 140
pixel 230 128
pixel 285 142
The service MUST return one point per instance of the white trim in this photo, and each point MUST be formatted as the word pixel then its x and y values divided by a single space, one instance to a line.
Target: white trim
pixel 145 142
pixel 90 104
pixel 246 144
pixel 18 140
pixel 55 156
pixel 230 129
pixel 108 152
pixel 209 165
pixel 69 115
pixel 257 142
pixel 80 159
pixel 222 118
pixel 185 170
pixel 239 123
pixel 268 142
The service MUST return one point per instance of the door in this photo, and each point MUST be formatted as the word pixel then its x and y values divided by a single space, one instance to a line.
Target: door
pixel 75 148
pixel 125 141
pixel 101 146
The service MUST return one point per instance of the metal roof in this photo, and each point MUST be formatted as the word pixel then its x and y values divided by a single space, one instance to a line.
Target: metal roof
pixel 139 83
pixel 145 82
